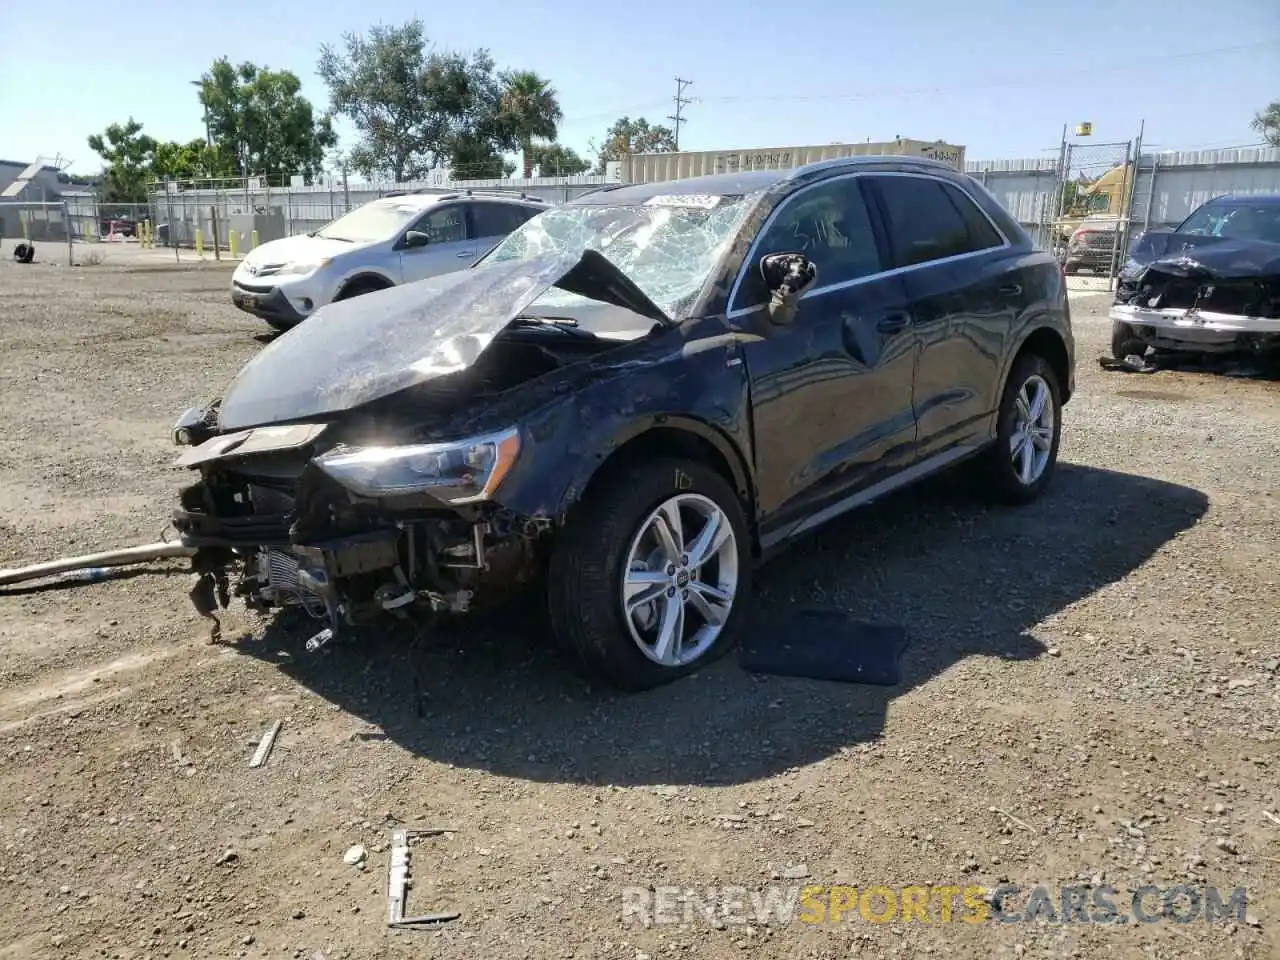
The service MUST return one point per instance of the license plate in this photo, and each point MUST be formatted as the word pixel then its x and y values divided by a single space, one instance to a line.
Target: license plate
pixel 243 299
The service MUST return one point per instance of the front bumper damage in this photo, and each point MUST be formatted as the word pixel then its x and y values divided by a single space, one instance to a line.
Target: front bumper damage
pixel 1222 298
pixel 1175 328
pixel 273 530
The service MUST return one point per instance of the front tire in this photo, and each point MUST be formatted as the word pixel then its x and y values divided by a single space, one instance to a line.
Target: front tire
pixel 1124 341
pixel 1029 430
pixel 650 576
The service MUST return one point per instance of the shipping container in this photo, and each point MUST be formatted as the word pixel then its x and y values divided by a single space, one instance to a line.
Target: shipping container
pixel 657 167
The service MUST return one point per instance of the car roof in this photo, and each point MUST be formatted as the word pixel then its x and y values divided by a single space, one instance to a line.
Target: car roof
pixel 750 181
pixel 1269 199
pixel 421 201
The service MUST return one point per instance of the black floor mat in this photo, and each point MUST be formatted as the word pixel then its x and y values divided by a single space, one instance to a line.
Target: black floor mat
pixel 825 644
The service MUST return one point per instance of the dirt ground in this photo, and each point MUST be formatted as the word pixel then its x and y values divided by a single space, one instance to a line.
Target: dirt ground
pixel 1092 697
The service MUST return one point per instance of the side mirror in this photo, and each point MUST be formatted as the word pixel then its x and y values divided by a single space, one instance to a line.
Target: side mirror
pixel 786 277
pixel 415 238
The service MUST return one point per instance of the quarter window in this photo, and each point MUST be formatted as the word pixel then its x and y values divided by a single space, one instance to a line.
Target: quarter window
pixel 931 220
pixel 831 225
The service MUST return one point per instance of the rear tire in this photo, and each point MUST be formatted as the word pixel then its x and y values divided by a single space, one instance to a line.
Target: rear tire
pixel 1019 464
pixel 617 532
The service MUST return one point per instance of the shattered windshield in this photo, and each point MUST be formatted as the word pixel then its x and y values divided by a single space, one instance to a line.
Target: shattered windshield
pixel 1235 221
pixel 666 245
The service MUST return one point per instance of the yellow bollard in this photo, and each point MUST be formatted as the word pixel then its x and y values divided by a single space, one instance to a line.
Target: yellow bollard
pixel 200 243
pixel 142 233
pixel 253 240
pixel 231 239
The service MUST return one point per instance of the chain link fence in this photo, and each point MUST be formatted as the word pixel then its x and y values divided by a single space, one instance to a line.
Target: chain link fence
pixel 232 214
pixel 1091 225
pixel 25 223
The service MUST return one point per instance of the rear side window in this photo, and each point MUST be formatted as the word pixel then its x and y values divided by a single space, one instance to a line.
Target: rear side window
pixel 498 219
pixel 930 220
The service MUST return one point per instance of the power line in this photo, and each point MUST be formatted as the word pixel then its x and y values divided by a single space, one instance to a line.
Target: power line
pixel 681 102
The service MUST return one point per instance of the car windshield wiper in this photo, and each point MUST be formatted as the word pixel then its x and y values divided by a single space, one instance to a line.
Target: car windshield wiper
pixel 563 324
pixel 330 236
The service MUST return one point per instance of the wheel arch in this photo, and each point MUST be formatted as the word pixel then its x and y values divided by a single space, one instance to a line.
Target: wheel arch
pixel 379 281
pixel 666 435
pixel 1048 342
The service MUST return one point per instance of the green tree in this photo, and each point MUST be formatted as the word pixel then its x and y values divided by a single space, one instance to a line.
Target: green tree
pixel 127 153
pixel 414 107
pixel 628 136
pixel 557 160
pixel 531 111
pixel 1267 123
pixel 259 117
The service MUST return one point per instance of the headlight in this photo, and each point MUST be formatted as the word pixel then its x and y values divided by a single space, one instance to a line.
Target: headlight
pixel 460 472
pixel 303 268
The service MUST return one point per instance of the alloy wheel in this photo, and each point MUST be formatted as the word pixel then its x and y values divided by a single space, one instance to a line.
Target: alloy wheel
pixel 680 579
pixel 1031 443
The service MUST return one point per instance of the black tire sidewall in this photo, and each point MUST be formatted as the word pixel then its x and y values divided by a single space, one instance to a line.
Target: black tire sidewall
pixel 586 568
pixel 1002 473
pixel 1124 340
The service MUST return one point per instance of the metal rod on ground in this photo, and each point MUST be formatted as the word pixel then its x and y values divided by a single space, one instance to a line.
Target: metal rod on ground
pixel 110 558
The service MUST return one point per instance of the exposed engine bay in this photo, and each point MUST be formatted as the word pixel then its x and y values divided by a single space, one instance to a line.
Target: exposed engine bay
pixel 319 517
pixel 1220 297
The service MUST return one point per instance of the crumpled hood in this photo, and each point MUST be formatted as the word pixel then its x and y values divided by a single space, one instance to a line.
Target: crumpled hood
pixel 1193 255
pixel 356 351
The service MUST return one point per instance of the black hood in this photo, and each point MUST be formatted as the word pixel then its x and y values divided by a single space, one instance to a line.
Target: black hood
pixel 356 351
pixel 1196 256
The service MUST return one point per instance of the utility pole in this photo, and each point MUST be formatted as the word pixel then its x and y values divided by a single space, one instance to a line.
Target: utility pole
pixel 681 102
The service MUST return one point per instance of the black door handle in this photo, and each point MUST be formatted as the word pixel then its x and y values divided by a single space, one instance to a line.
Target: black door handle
pixel 893 323
pixel 1010 290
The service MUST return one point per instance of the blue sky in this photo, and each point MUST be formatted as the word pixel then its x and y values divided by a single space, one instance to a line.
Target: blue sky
pixel 998 76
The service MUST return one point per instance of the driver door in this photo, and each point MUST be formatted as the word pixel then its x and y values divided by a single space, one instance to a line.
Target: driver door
pixel 831 392
pixel 448 247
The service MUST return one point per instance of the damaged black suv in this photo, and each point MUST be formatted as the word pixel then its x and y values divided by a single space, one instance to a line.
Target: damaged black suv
pixel 631 401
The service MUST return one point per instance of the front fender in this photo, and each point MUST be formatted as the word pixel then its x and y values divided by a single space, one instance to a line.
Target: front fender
pixel 695 387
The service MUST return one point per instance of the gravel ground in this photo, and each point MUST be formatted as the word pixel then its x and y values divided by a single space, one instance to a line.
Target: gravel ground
pixel 1092 696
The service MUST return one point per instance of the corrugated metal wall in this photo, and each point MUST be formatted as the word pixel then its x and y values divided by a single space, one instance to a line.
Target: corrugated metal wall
pixel 1180 183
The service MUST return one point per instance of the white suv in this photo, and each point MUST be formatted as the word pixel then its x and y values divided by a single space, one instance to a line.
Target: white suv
pixel 386 242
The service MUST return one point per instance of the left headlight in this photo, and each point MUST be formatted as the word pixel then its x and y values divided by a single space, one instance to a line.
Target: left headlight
pixel 302 268
pixel 460 472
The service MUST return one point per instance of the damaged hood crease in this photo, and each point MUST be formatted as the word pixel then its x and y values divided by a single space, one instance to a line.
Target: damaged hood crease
pixel 360 350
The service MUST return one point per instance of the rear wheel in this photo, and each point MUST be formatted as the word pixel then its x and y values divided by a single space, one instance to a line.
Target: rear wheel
pixel 648 580
pixel 1023 458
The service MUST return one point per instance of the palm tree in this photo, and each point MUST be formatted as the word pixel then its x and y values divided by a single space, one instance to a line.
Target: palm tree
pixel 532 111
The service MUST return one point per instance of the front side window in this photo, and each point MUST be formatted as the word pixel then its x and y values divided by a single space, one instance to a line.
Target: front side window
pixel 830 224
pixel 443 224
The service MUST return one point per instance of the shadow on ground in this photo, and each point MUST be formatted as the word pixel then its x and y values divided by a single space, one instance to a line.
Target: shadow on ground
pixel 966 581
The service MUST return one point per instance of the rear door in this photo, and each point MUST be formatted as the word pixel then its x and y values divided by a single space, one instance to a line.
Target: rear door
pixel 830 392
pixel 491 220
pixel 961 280
pixel 449 248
